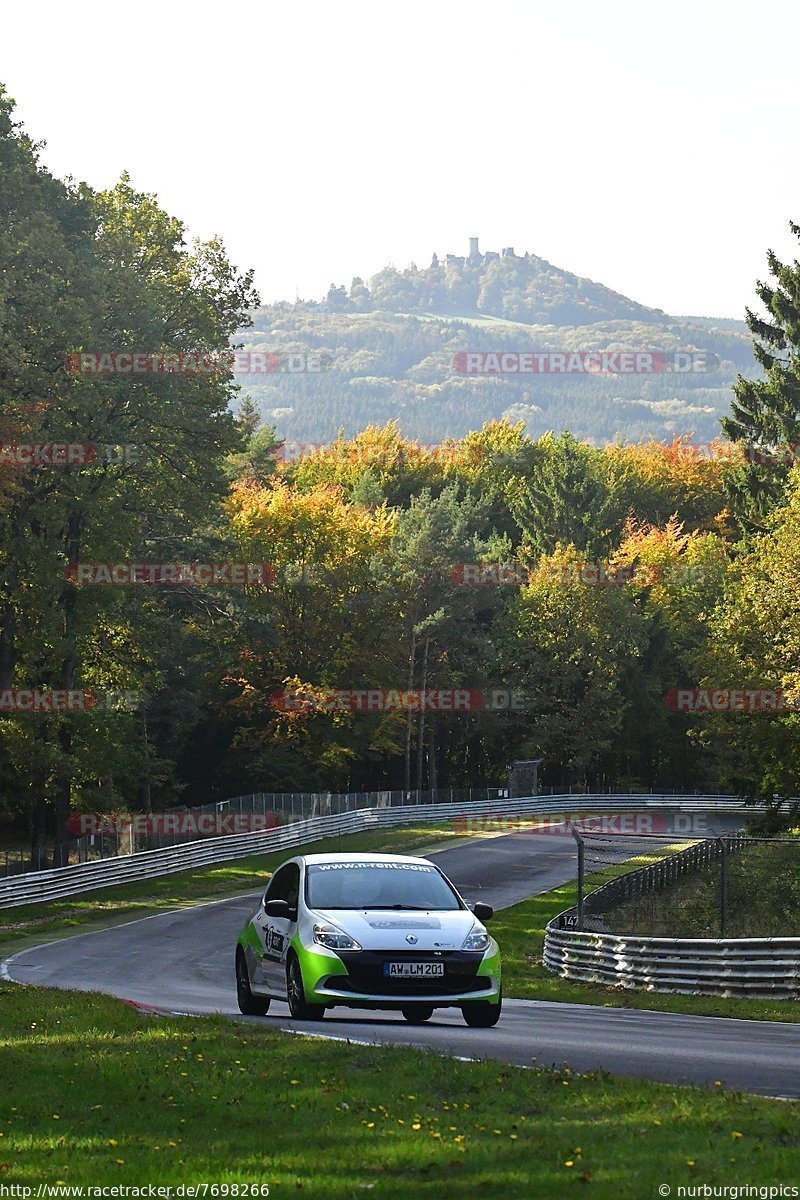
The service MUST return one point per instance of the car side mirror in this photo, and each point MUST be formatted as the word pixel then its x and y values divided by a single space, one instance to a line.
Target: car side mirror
pixel 279 908
pixel 484 912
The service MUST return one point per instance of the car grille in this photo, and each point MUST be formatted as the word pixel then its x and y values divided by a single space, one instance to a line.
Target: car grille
pixel 365 973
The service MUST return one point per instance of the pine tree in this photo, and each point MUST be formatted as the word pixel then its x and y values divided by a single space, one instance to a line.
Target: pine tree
pixel 566 500
pixel 765 413
pixel 248 418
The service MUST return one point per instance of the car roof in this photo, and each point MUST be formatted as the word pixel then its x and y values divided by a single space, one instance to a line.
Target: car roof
pixel 314 859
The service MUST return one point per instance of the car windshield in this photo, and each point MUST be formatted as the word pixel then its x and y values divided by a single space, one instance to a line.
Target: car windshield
pixel 403 886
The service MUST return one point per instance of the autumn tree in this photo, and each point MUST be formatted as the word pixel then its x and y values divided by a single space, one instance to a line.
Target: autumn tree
pixel 578 655
pixel 755 645
pixel 109 270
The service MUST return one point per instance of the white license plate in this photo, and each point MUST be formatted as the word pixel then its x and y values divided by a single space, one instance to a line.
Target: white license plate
pixel 413 970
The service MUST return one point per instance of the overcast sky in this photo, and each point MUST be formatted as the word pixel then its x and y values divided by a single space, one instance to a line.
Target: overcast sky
pixel 649 146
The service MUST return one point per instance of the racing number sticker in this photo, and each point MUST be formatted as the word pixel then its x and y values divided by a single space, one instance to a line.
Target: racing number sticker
pixel 274 943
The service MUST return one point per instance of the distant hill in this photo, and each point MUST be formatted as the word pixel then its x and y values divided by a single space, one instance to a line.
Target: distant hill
pixel 393 348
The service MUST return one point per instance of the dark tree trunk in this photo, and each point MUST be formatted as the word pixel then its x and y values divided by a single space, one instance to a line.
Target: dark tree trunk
pixel 407 762
pixel 434 774
pixel 8 632
pixel 37 814
pixel 63 780
pixel 421 720
pixel 145 797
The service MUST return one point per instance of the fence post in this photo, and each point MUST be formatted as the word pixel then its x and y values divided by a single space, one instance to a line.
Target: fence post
pixel 723 887
pixel 579 842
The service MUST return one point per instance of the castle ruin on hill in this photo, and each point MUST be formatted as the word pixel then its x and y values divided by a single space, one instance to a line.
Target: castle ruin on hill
pixel 475 258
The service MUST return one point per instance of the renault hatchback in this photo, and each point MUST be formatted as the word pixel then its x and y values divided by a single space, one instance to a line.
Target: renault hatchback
pixel 378 931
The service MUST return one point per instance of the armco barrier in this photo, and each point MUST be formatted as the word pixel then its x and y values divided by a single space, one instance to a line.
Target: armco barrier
pixel 35 887
pixel 757 967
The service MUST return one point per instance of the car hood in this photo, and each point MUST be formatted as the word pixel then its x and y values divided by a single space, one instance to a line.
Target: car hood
pixel 388 929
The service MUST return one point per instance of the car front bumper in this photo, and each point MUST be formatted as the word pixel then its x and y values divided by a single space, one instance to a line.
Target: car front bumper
pixel 357 978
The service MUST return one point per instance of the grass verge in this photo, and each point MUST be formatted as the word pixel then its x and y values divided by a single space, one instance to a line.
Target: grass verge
pixel 520 933
pixel 28 923
pixel 104 1095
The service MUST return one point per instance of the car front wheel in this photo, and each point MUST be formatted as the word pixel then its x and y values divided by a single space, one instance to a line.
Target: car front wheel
pixel 300 1009
pixel 481 1014
pixel 250 1005
pixel 417 1013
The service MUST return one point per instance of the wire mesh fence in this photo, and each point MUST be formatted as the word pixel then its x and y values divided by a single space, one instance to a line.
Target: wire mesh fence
pixel 106 835
pixel 728 884
pixel 16 859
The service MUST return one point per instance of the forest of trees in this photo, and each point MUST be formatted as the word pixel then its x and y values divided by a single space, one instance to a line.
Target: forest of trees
pixel 613 580
pixel 390 347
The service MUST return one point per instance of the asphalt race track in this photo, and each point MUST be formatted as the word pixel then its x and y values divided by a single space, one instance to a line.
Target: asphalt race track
pixel 183 962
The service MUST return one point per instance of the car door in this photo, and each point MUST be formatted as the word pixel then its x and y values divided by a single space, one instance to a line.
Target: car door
pixel 278 931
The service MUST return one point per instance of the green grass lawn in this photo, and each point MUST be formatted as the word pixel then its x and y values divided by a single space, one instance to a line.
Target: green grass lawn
pixel 28 923
pixel 98 1093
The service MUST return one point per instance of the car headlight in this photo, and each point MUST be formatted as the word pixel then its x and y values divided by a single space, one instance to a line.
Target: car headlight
pixel 333 938
pixel 477 939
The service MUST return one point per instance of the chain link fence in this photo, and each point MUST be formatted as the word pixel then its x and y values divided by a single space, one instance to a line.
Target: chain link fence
pixel 722 885
pixel 99 836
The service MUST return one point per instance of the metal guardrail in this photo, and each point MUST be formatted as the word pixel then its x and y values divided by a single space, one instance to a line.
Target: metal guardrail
pixel 731 967
pixel 36 887
pixel 756 967
pixel 107 835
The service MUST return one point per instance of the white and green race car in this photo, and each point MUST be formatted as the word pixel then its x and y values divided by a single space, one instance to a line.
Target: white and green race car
pixel 368 931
